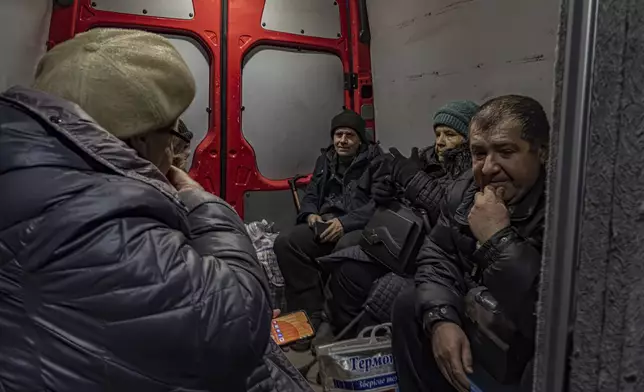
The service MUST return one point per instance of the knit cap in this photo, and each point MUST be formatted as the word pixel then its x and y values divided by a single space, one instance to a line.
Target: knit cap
pixel 130 82
pixel 456 115
pixel 352 120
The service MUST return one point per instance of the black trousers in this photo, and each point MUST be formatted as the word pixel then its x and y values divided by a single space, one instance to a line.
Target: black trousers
pixel 415 364
pixel 296 251
pixel 350 284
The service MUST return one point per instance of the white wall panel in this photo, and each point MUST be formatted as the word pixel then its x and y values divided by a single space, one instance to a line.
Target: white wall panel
pixel 24 28
pixel 427 52
pixel 196 117
pixel 289 98
pixel 312 18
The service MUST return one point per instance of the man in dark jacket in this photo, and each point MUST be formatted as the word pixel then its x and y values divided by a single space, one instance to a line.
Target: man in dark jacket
pixel 340 195
pixel 117 271
pixel 489 235
pixel 424 177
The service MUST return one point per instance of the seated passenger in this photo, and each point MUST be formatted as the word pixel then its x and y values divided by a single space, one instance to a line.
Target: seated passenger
pixel 338 194
pixel 181 146
pixel 488 238
pixel 117 271
pixel 426 176
pixel 425 180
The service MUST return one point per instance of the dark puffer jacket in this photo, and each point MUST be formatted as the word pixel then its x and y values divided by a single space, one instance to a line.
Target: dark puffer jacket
pixel 427 188
pixel 355 200
pixel 511 259
pixel 109 279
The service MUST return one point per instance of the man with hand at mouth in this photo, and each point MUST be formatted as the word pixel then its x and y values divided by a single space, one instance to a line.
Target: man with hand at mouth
pixel 487 246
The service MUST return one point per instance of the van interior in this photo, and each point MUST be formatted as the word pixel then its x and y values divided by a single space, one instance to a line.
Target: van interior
pixel 272 73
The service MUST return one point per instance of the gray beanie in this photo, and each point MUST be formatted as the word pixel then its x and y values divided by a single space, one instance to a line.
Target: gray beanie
pixel 456 115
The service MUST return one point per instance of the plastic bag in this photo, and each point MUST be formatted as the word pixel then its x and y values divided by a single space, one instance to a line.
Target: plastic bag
pixel 263 237
pixel 365 363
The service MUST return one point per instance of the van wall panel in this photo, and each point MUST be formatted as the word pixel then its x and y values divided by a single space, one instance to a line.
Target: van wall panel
pixel 24 28
pixel 196 117
pixel 176 9
pixel 312 18
pixel 427 52
pixel 281 116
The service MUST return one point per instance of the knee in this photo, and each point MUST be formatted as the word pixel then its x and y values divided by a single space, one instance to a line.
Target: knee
pixel 348 240
pixel 347 275
pixel 350 270
pixel 281 243
pixel 285 242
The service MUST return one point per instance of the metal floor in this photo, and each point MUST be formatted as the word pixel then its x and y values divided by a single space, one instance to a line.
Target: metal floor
pixel 301 359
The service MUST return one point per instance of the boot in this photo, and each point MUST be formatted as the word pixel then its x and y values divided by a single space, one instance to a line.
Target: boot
pixel 323 336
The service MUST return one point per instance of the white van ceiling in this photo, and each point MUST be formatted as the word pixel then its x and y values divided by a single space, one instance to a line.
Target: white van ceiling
pixel 24 28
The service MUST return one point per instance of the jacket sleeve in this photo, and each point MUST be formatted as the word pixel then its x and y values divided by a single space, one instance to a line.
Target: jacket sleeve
pixel 309 203
pixel 440 283
pixel 426 191
pixel 358 218
pixel 185 307
pixel 512 274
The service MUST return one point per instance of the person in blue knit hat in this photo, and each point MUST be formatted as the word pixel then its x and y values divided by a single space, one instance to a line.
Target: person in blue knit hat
pixel 426 174
pixel 451 125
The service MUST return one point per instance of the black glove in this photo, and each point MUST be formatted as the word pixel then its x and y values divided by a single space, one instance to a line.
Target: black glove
pixel 404 169
pixel 383 191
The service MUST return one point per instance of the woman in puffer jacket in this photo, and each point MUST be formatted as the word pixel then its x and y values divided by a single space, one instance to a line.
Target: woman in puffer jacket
pixel 117 271
pixel 426 175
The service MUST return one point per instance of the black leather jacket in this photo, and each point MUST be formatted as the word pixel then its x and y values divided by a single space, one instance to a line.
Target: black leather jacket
pixel 110 279
pixel 512 257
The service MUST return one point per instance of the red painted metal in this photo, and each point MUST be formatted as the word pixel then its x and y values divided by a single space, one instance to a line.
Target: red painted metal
pixel 361 63
pixel 204 27
pixel 244 33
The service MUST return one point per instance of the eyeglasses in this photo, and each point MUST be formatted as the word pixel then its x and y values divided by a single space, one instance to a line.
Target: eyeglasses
pixel 180 136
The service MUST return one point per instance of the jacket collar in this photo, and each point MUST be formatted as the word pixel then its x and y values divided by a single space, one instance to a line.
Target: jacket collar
pixel 455 161
pixel 68 121
pixel 366 152
pixel 519 212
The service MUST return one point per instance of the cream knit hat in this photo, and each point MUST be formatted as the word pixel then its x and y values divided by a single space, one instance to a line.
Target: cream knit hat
pixel 130 82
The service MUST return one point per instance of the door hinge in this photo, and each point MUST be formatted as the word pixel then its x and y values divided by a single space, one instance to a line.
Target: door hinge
pixel 350 81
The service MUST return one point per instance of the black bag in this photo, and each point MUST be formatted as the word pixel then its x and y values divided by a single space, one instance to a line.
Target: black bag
pixel 495 341
pixel 394 236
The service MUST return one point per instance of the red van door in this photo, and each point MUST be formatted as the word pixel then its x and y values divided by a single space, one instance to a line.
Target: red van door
pixel 271 74
pixel 286 67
